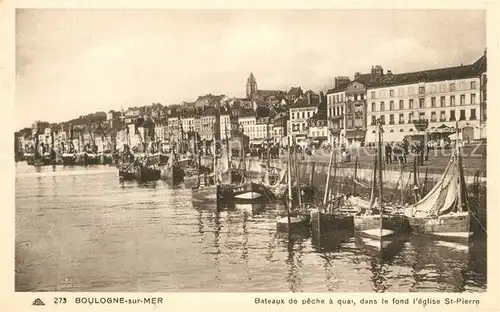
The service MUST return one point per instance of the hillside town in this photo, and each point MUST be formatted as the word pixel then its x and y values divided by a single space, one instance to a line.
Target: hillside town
pixel 408 105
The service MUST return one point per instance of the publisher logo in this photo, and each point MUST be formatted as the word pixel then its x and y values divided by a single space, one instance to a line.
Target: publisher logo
pixel 38 302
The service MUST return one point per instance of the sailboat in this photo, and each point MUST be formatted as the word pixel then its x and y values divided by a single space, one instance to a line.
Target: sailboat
pixel 385 223
pixel 445 212
pixel 298 219
pixel 333 215
pixel 172 172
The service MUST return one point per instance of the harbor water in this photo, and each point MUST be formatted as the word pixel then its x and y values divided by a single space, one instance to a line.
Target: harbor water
pixel 81 229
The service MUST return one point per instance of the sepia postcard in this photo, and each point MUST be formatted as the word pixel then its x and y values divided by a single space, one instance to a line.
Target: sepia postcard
pixel 288 156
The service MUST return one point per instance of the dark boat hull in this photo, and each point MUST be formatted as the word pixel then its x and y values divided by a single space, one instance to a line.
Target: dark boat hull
pixel 173 175
pixel 325 223
pixel 251 192
pixel 145 174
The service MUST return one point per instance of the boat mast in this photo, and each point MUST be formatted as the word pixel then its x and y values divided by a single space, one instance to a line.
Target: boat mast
pixel 380 176
pixel 327 184
pixel 297 178
pixel 460 173
pixel 289 169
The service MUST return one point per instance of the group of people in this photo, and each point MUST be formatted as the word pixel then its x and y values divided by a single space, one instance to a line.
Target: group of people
pixel 397 153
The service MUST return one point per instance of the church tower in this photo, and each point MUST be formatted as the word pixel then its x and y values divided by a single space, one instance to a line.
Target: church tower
pixel 251 85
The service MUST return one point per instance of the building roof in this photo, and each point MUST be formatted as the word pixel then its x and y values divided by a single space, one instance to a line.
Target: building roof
pixel 320 115
pixel 295 91
pixel 432 75
pixel 304 102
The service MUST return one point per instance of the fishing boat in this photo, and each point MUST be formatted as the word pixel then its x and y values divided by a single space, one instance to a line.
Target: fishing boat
pixel 334 214
pixel 299 218
pixel 445 212
pixel 172 172
pixel 379 222
pixel 142 169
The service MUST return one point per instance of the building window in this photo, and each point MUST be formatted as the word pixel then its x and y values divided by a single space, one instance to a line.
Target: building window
pixel 433 116
pixel 293 115
pixel 382 106
pixel 382 119
pixel 462 114
pixel 421 116
pixel 391 93
pixel 421 90
pixel 473 85
pixel 401 119
pixel 442 116
pixel 442 100
pixel 410 117
pixel 303 115
pixel 473 98
pixel 373 94
pixel 421 103
pixel 391 119
pixel 401 104
pixel 308 114
pixel 452 116
pixel 391 105
pixel 373 107
pixel 473 114
pixel 462 99
pixel 452 87
pixel 452 100
pixel 374 121
pixel 433 101
pixel 410 105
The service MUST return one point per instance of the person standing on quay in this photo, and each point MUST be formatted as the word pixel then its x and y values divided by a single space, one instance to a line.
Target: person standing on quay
pixel 388 154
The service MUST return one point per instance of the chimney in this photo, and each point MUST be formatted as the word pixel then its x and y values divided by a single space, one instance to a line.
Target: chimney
pixel 309 98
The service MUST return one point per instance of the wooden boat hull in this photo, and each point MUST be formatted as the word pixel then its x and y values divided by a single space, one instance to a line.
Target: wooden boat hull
pixel 174 175
pixel 145 174
pixel 251 192
pixel 367 224
pixel 328 222
pixel 451 227
pixel 297 223
pixel 191 182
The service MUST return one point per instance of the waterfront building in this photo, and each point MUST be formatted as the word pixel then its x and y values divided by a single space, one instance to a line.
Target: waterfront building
pixel 248 121
pixel 300 112
pixel 440 96
pixel 347 111
pixel 317 124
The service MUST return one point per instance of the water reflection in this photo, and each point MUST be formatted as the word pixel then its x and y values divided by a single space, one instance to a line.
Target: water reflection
pixel 81 224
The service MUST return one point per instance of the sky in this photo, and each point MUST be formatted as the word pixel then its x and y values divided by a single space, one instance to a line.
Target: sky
pixel 79 61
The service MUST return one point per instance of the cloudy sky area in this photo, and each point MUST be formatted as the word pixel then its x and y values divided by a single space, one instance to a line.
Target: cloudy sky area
pixel 74 62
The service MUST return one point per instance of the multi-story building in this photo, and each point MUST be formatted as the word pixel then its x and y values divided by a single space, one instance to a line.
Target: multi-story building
pixel 207 124
pixel 347 112
pixel 300 112
pixel 440 96
pixel 483 97
pixel 263 128
pixel 248 121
